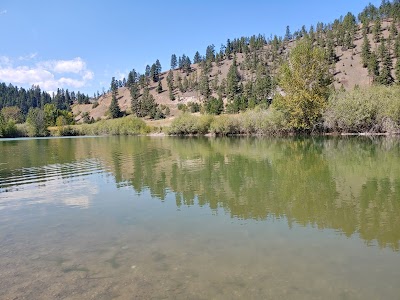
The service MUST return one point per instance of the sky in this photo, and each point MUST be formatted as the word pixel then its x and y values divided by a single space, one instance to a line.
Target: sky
pixel 82 44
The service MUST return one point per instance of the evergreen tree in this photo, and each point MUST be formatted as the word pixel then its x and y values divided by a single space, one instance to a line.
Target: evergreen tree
pixel 288 35
pixel 373 67
pixel 210 53
pixel 114 109
pixel 397 71
pixel 204 87
pixel 365 51
pixel 147 72
pixel 377 31
pixel 197 58
pixel 232 81
pixel 159 87
pixel 174 62
pixel 397 47
pixel 385 76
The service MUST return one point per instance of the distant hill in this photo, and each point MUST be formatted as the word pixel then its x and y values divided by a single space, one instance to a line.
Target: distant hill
pixel 347 69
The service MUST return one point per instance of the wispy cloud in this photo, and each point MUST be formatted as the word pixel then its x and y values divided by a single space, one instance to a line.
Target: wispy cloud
pixel 49 75
pixel 3 12
pixel 28 56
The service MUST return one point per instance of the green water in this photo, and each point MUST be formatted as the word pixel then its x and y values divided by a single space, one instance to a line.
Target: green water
pixel 200 218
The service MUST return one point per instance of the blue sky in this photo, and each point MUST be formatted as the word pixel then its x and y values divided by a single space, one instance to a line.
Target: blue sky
pixel 80 45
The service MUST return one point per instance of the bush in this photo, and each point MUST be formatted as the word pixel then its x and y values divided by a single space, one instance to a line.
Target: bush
pixel 375 109
pixel 190 124
pixel 121 126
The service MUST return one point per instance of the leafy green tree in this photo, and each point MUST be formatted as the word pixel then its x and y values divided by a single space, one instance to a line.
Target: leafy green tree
pixel 36 122
pixel 305 80
pixel 50 114
pixel 12 113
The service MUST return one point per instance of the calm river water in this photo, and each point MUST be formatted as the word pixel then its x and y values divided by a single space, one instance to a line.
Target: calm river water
pixel 200 218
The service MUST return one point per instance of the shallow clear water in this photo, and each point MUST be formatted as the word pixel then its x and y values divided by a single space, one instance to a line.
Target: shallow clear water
pixel 198 218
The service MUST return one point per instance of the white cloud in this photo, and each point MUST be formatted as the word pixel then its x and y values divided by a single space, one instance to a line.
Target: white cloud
pixel 49 75
pixel 76 65
pixel 24 75
pixel 3 12
pixel 88 75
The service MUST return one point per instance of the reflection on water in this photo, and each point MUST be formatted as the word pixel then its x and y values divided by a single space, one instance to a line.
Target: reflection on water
pixel 292 218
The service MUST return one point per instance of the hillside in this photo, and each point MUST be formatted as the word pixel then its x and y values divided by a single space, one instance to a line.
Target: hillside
pixel 348 72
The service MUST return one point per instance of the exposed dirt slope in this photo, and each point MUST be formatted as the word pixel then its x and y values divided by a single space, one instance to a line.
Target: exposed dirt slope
pixel 348 72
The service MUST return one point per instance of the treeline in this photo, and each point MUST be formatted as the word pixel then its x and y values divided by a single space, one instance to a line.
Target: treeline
pixel 36 108
pixel 34 97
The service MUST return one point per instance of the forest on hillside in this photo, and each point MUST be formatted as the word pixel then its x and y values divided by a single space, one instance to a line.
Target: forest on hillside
pixel 294 77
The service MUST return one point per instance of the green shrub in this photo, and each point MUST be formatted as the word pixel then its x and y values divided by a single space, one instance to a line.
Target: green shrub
pixel 374 109
pixel 190 124
pixel 122 126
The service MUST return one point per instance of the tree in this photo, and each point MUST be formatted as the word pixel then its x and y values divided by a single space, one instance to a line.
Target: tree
pixel 174 62
pixel 114 109
pixel 373 67
pixel 50 114
pixel 214 106
pixel 204 86
pixel 197 58
pixel 365 51
pixel 232 81
pixel 397 71
pixel 288 35
pixel 377 30
pixel 305 81
pixel 36 122
pixel 159 87
pixel 210 53
pixel 12 113
pixel 385 76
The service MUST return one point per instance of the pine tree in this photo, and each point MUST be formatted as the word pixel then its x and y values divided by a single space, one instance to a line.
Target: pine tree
pixel 204 86
pixel 373 67
pixel 159 87
pixel 377 30
pixel 197 58
pixel 114 109
pixel 397 47
pixel 385 76
pixel 174 62
pixel 397 71
pixel 232 81
pixel 288 35
pixel 365 51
